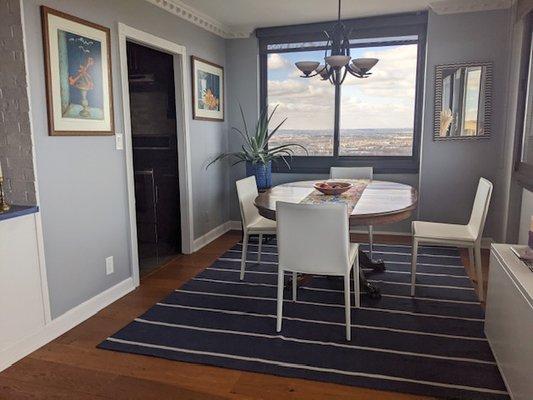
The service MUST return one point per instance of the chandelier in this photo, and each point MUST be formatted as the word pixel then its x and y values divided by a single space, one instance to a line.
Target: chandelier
pixel 337 64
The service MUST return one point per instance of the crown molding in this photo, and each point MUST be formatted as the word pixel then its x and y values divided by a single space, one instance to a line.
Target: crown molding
pixel 190 14
pixel 462 6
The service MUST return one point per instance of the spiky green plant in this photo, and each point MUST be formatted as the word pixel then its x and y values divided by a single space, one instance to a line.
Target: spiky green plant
pixel 255 145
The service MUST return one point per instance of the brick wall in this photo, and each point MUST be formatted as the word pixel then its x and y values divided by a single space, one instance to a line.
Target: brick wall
pixel 15 133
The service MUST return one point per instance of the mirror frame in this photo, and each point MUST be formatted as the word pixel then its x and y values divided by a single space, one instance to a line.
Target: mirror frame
pixel 439 69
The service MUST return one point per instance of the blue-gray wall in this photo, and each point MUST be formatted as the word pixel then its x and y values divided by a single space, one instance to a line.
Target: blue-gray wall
pixel 82 180
pixel 449 171
pixel 242 79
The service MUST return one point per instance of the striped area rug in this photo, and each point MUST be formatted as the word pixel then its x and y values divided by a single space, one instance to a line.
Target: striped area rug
pixel 431 345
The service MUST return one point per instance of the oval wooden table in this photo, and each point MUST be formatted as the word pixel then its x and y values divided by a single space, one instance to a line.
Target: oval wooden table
pixel 369 203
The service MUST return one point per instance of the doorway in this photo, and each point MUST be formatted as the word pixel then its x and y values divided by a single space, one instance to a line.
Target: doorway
pixel 155 155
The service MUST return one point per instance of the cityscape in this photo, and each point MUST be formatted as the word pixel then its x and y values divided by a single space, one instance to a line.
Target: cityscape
pixel 353 142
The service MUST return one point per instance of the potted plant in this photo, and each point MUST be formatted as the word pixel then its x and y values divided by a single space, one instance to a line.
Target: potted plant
pixel 255 151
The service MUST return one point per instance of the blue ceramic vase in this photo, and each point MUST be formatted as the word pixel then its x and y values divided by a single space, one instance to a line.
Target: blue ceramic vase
pixel 262 173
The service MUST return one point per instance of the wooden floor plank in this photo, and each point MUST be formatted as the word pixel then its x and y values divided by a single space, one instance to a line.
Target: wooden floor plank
pixel 71 367
pixel 192 376
pixel 11 389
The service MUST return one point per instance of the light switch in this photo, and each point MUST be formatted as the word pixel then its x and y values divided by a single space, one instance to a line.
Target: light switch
pixel 119 141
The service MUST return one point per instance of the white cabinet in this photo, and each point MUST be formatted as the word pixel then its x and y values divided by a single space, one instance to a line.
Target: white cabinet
pixel 509 320
pixel 23 305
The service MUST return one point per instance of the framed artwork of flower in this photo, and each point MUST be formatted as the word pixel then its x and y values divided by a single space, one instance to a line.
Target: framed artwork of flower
pixel 78 75
pixel 207 90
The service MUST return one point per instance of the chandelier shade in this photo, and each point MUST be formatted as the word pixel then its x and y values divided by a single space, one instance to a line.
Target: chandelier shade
pixel 337 58
pixel 364 64
pixel 307 66
pixel 337 61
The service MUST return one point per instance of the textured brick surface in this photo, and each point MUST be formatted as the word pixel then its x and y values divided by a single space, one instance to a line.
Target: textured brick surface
pixel 15 133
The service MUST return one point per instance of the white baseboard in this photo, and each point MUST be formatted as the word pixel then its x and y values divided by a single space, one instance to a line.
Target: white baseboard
pixel 64 323
pixel 213 234
pixel 236 225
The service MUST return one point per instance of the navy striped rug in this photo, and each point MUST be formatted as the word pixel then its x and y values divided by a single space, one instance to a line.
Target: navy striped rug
pixel 431 345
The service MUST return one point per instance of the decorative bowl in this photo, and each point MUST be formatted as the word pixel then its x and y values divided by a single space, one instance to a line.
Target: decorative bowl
pixel 332 188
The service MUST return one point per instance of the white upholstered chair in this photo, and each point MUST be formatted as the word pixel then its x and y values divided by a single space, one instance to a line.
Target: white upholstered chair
pixel 314 239
pixel 252 222
pixel 356 173
pixel 468 236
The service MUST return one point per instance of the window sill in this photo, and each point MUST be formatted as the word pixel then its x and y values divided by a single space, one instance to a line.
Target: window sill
pixel 322 165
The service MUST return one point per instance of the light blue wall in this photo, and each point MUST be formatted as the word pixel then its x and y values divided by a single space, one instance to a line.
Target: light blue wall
pixel 242 57
pixel 82 180
pixel 450 170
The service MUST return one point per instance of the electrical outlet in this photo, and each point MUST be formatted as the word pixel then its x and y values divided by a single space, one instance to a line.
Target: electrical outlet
pixel 119 141
pixel 109 265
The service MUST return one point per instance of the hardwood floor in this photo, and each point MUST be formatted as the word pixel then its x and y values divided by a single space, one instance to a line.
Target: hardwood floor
pixel 71 367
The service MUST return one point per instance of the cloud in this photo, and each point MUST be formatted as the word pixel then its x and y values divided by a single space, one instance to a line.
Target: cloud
pixel 384 100
pixel 393 76
pixel 277 61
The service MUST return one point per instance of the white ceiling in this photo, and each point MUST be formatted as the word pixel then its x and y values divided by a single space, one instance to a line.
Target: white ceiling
pixel 238 18
pixel 246 15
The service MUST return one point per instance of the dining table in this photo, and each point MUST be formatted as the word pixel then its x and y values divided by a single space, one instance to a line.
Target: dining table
pixel 369 203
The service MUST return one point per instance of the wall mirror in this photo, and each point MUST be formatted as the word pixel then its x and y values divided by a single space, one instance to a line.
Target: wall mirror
pixel 463 101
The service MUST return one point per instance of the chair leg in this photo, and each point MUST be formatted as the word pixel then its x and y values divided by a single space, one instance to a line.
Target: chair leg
pixel 279 313
pixel 479 272
pixel 259 246
pixel 356 283
pixel 294 285
pixel 413 266
pixel 244 252
pixel 347 308
pixel 370 242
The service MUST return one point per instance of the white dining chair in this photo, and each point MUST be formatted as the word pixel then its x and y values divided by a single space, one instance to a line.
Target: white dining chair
pixel 314 239
pixel 356 173
pixel 252 222
pixel 468 236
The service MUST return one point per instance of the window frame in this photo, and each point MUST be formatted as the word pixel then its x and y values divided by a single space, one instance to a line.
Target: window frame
pixel 400 25
pixel 523 172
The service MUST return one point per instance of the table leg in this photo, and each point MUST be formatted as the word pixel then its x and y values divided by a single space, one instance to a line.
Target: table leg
pixel 366 262
pixel 367 288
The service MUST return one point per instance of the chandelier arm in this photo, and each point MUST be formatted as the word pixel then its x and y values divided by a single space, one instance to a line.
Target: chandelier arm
pixel 330 77
pixel 310 75
pixel 338 44
pixel 352 72
pixel 344 75
pixel 327 72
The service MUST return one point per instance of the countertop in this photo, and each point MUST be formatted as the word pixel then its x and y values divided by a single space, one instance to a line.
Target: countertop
pixel 18 211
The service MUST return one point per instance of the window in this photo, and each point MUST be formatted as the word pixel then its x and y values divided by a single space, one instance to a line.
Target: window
pixel 374 121
pixel 308 105
pixel 377 114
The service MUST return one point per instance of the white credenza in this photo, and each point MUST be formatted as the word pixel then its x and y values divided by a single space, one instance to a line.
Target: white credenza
pixel 24 304
pixel 509 320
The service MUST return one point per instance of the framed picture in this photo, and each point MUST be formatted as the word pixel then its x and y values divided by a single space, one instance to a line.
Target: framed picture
pixel 207 90
pixel 77 61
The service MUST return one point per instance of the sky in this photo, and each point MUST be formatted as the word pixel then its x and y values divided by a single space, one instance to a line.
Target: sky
pixel 384 100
